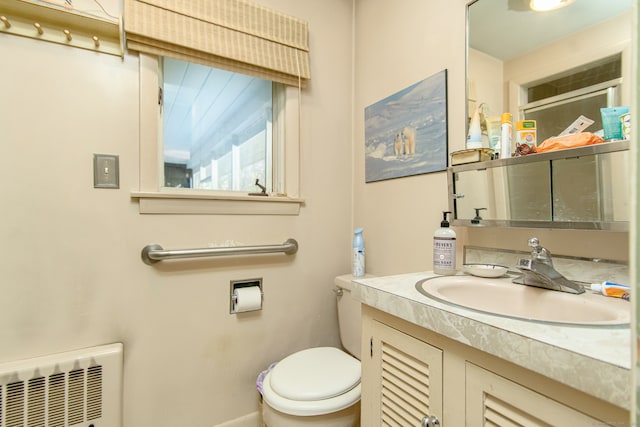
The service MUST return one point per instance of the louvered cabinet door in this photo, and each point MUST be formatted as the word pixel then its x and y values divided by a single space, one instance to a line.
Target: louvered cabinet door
pixel 493 400
pixel 402 378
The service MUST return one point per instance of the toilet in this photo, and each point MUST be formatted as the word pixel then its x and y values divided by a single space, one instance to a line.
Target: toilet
pixel 319 386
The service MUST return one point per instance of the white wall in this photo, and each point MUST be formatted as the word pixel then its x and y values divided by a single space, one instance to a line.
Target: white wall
pixel 70 255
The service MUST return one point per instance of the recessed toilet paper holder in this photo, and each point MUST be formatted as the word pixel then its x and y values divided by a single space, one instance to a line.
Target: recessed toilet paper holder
pixel 236 306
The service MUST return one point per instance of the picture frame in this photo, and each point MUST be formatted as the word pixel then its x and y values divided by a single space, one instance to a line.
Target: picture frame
pixel 406 133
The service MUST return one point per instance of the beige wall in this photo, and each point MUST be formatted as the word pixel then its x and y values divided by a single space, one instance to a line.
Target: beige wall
pixel 398 44
pixel 70 256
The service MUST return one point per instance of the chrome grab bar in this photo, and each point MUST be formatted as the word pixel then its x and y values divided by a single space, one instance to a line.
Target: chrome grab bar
pixel 155 253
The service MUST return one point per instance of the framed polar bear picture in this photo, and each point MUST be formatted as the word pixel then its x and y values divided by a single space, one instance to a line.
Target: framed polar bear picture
pixel 406 133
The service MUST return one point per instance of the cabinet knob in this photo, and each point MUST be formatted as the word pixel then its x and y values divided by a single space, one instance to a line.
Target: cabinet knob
pixel 430 421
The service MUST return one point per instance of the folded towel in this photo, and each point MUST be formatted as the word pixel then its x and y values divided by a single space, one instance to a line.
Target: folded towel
pixel 568 141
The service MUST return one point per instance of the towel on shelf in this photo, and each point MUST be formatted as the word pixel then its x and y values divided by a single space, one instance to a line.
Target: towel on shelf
pixel 568 141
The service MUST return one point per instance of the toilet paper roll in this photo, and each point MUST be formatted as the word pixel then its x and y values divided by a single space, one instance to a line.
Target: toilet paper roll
pixel 247 299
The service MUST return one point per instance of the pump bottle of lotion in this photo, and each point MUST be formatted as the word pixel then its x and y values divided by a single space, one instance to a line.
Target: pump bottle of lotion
pixel 357 266
pixel 444 248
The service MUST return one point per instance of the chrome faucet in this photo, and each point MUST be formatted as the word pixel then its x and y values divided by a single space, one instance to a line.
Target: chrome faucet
pixel 539 271
pixel 539 253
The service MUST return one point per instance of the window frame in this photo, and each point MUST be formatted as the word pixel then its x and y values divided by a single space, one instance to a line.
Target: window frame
pixel 154 198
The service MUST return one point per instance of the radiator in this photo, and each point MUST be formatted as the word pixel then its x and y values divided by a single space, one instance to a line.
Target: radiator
pixel 81 388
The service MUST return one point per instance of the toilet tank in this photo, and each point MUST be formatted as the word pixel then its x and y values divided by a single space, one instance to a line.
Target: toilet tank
pixel 349 312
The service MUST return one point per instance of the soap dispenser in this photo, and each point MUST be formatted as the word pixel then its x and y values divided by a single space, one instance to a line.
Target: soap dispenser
pixel 476 220
pixel 444 248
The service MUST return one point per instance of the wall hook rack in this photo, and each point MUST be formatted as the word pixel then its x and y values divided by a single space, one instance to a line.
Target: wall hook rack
pixel 61 25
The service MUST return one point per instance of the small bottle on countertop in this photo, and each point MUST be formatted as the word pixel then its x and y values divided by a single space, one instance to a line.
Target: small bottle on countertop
pixel 444 248
pixel 357 266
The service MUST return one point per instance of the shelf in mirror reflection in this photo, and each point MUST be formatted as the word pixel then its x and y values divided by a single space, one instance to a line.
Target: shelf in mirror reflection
pixel 581 188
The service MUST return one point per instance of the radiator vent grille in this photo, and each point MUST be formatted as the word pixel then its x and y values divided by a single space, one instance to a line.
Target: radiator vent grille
pixel 76 396
pixel 94 393
pixel 56 400
pixel 36 402
pixel 65 390
pixel 15 408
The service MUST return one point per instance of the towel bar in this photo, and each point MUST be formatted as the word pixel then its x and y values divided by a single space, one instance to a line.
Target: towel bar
pixel 155 253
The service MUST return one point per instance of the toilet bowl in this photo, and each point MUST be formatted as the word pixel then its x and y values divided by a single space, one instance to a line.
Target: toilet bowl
pixel 319 386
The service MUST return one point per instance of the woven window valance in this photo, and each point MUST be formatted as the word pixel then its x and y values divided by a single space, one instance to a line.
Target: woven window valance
pixel 236 35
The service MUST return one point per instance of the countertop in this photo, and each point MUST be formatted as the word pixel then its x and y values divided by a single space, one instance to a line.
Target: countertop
pixel 595 360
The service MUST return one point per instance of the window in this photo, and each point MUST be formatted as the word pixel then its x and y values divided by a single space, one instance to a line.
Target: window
pixel 218 128
pixel 211 165
pixel 557 102
pixel 172 185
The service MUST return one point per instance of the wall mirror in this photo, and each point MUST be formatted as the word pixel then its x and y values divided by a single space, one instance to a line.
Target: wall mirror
pixel 551 67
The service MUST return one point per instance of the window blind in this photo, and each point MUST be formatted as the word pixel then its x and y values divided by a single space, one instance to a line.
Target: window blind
pixel 235 35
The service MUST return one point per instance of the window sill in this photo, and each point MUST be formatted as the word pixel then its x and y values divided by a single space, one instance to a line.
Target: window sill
pixel 193 202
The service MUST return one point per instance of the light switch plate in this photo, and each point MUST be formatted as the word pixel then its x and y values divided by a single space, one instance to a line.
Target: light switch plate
pixel 106 171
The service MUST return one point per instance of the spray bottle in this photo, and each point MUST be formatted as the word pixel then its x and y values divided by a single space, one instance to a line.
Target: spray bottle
pixel 444 248
pixel 357 266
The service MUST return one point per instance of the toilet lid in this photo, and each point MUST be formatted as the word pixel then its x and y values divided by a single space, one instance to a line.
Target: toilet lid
pixel 315 374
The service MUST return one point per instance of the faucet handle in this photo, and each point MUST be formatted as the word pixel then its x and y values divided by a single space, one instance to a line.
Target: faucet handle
pixel 535 244
pixel 539 253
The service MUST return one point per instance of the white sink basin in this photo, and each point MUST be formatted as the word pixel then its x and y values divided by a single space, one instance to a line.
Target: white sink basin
pixel 503 298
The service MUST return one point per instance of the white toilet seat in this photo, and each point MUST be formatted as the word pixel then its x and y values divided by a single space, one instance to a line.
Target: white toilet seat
pixel 314 381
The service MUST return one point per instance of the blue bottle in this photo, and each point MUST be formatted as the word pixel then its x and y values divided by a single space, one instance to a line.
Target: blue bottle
pixel 357 265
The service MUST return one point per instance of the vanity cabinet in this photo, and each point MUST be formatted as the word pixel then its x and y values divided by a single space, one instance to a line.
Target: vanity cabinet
pixel 409 372
pixel 495 400
pixel 403 378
